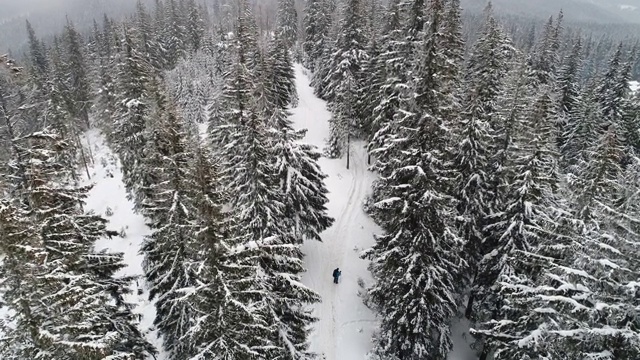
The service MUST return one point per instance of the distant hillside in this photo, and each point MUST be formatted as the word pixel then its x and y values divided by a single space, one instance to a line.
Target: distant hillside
pixel 628 10
pixel 593 11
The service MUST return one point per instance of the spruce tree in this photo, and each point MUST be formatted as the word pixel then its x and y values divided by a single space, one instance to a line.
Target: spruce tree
pixel 582 130
pixel 258 207
pixel 222 300
pixel 543 61
pixel 392 69
pixel 613 88
pixel 67 303
pixel 349 55
pixel 77 77
pixel 144 34
pixel 569 89
pixel 417 256
pixel 317 22
pixel 485 73
pixel 169 209
pixel 525 222
pixel 287 26
pixel 281 75
pixel 300 178
pixel 343 83
pixel 133 94
pixel 371 95
pixel 506 125
pixel 195 25
pixel 38 58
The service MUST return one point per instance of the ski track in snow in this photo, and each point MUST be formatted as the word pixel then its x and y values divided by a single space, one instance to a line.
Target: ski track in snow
pixel 345 325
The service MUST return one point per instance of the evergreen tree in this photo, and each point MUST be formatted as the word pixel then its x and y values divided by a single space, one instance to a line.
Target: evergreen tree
pixel 77 78
pixel 38 58
pixel 349 55
pixel 392 67
pixel 525 222
pixel 613 89
pixel 371 94
pixel 174 34
pixel 104 106
pixel 222 299
pixel 258 209
pixel 343 83
pixel 281 74
pixel 582 130
pixel 418 254
pixel 453 47
pixel 543 61
pixel 67 303
pixel 170 212
pixel 287 26
pixel 485 73
pixel 301 180
pixel 317 22
pixel 133 100
pixel 143 33
pixel 569 89
pixel 506 125
pixel 195 26
pixel 630 120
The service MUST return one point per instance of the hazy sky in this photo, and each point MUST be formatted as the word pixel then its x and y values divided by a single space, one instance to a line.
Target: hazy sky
pixel 48 17
pixel 10 8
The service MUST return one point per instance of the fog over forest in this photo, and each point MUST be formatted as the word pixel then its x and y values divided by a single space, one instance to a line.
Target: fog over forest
pixel 48 16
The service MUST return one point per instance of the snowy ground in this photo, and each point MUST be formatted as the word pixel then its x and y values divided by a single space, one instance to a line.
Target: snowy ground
pixel 109 198
pixel 345 325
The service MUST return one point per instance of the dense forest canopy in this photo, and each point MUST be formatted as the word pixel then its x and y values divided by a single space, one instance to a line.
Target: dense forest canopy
pixel 506 153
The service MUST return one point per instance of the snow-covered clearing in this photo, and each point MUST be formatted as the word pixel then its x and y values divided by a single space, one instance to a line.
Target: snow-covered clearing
pixel 345 325
pixel 108 196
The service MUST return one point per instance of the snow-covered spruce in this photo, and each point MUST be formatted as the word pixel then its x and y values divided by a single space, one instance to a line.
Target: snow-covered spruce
pixel 65 301
pixel 418 256
pixel 276 197
pixel 485 73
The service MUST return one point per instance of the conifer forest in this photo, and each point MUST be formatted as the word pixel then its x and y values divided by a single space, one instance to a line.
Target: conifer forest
pixel 179 180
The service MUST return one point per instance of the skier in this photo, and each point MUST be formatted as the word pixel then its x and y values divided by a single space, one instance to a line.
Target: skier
pixel 336 275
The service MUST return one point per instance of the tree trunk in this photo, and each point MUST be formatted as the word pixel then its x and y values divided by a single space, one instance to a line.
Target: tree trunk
pixel 469 311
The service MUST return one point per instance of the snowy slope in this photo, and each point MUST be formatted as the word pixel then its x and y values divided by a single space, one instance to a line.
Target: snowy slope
pixel 345 325
pixel 109 196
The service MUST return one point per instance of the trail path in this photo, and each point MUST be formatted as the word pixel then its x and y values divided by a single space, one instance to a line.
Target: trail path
pixel 345 325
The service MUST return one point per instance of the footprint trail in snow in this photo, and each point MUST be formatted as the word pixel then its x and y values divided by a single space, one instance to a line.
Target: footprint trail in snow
pixel 345 326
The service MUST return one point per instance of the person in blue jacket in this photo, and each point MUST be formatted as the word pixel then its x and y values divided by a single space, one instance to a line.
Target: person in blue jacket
pixel 336 275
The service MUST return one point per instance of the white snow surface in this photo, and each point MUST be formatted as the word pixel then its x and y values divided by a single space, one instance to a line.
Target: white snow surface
pixel 109 192
pixel 345 327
